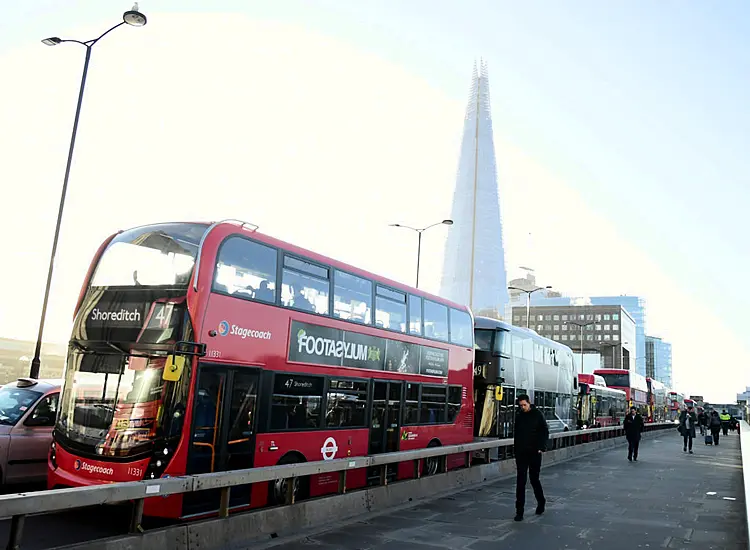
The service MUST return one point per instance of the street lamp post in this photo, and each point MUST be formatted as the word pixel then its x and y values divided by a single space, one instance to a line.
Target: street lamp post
pixel 581 326
pixel 419 238
pixel 134 18
pixel 528 298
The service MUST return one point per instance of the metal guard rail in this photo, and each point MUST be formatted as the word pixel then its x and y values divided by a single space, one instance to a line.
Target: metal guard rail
pixel 18 506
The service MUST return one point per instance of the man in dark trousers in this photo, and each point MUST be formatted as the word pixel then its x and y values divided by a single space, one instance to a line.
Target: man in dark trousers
pixel 529 442
pixel 633 425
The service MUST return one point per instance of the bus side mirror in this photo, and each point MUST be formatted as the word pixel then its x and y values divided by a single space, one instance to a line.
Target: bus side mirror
pixel 173 368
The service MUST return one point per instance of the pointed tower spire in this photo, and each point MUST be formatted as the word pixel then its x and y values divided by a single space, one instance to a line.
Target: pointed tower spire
pixel 474 261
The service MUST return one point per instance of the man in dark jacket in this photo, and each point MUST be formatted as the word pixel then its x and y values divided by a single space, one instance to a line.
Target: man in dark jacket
pixel 529 442
pixel 633 425
pixel 688 420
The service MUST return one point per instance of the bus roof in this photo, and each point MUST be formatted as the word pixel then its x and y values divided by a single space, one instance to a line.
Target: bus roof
pixel 488 323
pixel 227 227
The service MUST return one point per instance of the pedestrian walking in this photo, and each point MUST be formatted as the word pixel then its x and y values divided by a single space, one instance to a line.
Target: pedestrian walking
pixel 633 425
pixel 688 420
pixel 714 424
pixel 702 421
pixel 529 442
pixel 725 418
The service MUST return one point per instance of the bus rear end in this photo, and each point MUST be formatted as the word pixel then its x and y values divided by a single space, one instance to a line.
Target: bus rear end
pixel 128 371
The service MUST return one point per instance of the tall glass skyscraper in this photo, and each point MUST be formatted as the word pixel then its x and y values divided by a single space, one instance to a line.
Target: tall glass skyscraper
pixel 474 261
pixel 659 360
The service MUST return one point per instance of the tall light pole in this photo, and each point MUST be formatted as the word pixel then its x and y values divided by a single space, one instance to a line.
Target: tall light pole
pixel 419 238
pixel 581 326
pixel 134 18
pixel 528 298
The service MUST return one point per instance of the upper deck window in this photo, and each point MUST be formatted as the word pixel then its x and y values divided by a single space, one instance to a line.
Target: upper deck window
pixel 415 315
pixel 461 328
pixel 246 269
pixel 435 320
pixel 154 255
pixel 305 286
pixel 390 309
pixel 352 298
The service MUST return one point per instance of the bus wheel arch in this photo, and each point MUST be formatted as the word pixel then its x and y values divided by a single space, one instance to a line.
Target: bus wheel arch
pixel 277 489
pixel 432 464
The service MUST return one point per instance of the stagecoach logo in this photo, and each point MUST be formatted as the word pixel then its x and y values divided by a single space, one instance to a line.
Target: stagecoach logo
pixel 233 330
pixel 329 449
pixel 92 469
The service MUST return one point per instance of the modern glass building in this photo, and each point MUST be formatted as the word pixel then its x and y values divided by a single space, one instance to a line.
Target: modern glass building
pixel 474 261
pixel 659 360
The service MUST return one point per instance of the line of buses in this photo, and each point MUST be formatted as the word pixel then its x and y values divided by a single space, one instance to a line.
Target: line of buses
pixel 211 347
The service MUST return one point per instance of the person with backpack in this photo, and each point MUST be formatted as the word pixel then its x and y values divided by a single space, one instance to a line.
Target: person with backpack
pixel 714 424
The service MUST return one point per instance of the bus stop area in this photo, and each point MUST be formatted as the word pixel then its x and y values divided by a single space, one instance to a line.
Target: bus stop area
pixel 667 499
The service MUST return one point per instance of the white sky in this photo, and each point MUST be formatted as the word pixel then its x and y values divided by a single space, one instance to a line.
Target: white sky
pixel 317 143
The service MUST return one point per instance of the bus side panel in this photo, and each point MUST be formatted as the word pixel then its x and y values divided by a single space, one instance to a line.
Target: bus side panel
pixel 314 446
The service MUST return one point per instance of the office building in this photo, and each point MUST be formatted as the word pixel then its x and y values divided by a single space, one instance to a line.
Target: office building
pixel 634 305
pixel 607 331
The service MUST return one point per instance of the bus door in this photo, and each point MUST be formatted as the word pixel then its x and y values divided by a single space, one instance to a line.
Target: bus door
pixel 385 422
pixel 223 431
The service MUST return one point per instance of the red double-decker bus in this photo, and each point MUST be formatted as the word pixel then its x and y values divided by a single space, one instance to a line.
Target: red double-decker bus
pixel 599 405
pixel 204 348
pixel 633 384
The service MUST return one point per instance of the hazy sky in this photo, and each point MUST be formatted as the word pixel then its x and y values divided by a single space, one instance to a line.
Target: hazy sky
pixel 620 130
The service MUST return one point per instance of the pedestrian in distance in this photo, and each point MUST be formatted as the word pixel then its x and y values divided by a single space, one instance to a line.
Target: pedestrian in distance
pixel 725 418
pixel 714 424
pixel 529 442
pixel 702 421
pixel 688 420
pixel 633 425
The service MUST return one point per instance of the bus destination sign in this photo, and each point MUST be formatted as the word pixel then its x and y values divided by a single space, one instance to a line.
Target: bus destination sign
pixel 335 347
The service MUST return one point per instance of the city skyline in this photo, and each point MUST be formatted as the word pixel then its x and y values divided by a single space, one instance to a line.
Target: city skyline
pixel 474 256
pixel 324 125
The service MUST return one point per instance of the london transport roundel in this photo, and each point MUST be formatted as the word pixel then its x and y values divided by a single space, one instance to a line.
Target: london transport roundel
pixel 329 449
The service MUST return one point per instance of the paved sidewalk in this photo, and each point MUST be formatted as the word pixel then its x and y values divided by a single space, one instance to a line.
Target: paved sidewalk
pixel 668 499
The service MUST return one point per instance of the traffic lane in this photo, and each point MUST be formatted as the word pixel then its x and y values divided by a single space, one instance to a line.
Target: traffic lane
pixel 75 526
pixel 668 499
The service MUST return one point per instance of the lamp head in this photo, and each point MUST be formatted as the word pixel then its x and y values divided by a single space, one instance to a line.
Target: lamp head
pixel 52 41
pixel 134 18
pixel 447 222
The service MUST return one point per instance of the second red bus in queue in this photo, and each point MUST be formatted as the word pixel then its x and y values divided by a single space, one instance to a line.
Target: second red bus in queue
pixel 205 348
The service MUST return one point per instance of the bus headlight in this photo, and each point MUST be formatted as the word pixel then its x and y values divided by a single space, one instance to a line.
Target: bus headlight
pixel 53 455
pixel 159 462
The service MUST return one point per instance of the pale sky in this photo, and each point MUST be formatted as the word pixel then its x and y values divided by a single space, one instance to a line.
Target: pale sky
pixel 323 125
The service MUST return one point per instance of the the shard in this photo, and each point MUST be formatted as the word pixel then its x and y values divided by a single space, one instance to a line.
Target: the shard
pixel 474 261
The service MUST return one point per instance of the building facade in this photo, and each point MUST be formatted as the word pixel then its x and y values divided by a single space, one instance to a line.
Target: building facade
pixel 607 331
pixel 634 305
pixel 659 360
pixel 474 260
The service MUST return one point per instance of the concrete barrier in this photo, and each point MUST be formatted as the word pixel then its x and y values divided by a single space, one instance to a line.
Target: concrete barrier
pixel 252 528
